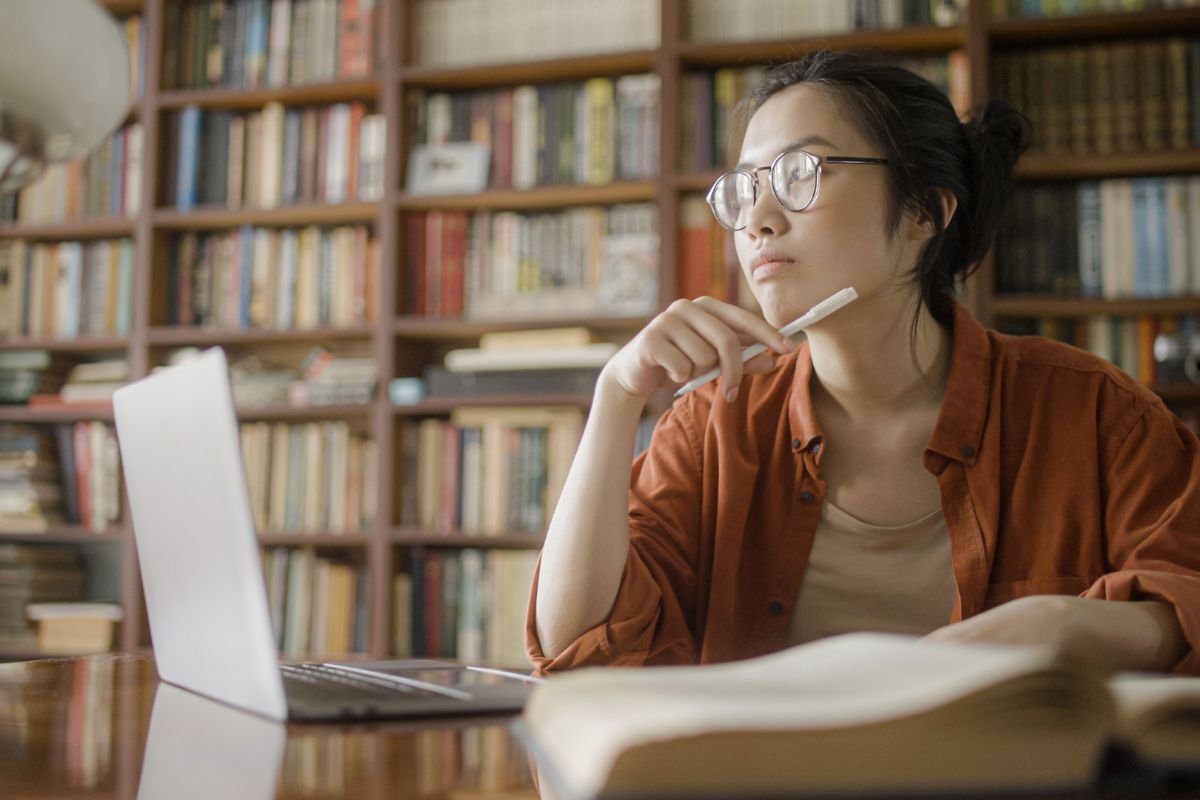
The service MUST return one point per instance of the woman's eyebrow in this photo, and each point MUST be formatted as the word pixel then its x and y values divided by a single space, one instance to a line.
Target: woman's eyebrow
pixel 807 140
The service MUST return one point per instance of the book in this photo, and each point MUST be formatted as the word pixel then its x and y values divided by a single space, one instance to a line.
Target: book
pixel 854 715
pixel 480 360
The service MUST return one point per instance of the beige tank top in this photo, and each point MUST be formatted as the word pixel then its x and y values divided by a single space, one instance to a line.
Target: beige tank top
pixel 864 577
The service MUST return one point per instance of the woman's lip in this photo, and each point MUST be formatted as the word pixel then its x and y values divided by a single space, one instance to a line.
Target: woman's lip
pixel 769 269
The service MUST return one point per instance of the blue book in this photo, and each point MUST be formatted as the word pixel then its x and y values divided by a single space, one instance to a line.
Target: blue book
pixel 189 154
pixel 125 287
pixel 1143 285
pixel 1159 266
pixel 245 273
pixel 1091 246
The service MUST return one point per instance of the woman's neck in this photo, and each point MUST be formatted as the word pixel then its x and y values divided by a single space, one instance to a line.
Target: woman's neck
pixel 864 362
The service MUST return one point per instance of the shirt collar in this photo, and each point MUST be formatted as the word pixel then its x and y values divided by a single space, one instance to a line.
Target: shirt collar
pixel 959 428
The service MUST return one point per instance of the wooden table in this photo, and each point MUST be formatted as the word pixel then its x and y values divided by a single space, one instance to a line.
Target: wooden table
pixel 104 727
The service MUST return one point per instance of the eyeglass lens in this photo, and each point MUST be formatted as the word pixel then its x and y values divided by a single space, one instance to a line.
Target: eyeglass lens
pixel 793 179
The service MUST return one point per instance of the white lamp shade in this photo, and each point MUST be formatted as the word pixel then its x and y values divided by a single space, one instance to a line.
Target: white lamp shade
pixel 64 79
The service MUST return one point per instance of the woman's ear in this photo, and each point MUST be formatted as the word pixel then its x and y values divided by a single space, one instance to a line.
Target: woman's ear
pixel 924 227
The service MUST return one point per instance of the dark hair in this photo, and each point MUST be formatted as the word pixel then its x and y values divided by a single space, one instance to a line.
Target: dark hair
pixel 928 148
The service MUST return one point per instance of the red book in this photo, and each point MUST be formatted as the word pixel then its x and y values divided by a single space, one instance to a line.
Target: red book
pixel 83 472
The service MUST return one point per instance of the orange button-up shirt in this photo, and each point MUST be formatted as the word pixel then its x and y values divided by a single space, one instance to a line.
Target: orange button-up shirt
pixel 1059 474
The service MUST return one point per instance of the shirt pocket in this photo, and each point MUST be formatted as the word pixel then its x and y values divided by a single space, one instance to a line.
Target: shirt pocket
pixel 1003 591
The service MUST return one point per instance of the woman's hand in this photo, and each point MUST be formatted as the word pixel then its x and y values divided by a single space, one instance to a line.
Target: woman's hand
pixel 690 338
pixel 1105 633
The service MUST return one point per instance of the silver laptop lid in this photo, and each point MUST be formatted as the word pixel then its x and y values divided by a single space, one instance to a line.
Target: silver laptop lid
pixel 195 536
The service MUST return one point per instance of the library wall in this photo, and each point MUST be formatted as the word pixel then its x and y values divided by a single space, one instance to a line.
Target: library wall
pixel 420 227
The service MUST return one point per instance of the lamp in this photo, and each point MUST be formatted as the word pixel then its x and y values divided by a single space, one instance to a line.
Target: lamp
pixel 64 83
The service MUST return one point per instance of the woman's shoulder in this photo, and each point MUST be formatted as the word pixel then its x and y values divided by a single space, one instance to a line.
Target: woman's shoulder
pixel 1035 361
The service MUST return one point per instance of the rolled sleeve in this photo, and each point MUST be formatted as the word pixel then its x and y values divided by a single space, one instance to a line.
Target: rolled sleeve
pixel 651 621
pixel 1153 522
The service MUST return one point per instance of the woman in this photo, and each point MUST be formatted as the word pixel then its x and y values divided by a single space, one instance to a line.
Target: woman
pixel 903 469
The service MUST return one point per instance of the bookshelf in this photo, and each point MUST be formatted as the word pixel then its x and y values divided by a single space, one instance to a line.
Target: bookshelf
pixel 401 342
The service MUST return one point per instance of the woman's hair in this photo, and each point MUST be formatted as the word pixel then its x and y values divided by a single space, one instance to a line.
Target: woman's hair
pixel 916 129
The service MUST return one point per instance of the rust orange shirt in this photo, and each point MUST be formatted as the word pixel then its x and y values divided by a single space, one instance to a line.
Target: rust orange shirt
pixel 1059 474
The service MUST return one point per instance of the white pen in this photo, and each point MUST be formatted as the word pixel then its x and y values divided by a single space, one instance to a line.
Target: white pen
pixel 818 312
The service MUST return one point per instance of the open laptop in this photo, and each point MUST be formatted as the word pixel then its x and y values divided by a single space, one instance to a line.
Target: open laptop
pixel 205 594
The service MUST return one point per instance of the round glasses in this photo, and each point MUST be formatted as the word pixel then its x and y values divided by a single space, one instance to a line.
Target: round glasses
pixel 795 177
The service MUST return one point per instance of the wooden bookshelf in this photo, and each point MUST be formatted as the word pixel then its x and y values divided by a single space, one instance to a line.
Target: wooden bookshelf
pixel 542 197
pixel 420 537
pixel 456 330
pixel 207 218
pixel 402 344
pixel 98 228
pixel 434 405
pixel 51 414
pixel 1071 167
pixel 82 344
pixel 1121 25
pixel 910 41
pixel 304 94
pixel 68 533
pixel 209 337
pixel 509 74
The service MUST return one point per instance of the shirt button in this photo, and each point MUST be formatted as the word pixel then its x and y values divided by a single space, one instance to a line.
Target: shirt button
pixel 967 451
pixel 796 444
pixel 776 608
pixel 807 498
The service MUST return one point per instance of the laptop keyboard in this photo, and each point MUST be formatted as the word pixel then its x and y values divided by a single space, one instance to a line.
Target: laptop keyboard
pixel 326 675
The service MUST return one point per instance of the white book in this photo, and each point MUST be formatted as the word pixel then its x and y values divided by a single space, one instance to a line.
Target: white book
pixel 280 41
pixel 271 156
pixel 525 137
pixel 337 153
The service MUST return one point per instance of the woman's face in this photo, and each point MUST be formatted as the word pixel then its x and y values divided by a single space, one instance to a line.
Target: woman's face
pixel 794 260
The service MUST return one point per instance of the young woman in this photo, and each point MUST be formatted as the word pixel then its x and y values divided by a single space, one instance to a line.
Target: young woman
pixel 902 470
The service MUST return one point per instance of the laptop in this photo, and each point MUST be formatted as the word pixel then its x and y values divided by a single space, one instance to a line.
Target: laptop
pixel 203 582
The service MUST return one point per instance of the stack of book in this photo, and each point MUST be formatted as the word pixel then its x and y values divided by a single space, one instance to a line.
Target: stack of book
pixel 88 383
pixel 30 495
pixel 258 384
pixel 24 373
pixel 333 379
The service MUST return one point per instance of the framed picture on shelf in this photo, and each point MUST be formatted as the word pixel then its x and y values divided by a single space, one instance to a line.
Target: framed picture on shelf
pixel 451 168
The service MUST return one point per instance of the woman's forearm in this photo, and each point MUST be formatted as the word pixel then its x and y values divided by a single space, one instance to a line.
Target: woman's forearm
pixel 588 539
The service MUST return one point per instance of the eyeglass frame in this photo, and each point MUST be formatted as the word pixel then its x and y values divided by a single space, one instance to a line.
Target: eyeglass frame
pixel 752 173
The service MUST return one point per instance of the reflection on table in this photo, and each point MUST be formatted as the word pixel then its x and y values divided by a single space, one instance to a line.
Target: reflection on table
pixel 105 727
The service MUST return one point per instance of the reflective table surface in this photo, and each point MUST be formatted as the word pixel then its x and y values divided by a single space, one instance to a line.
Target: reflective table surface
pixel 105 727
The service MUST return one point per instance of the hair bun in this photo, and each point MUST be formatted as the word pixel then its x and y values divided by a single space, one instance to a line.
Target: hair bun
pixel 1001 131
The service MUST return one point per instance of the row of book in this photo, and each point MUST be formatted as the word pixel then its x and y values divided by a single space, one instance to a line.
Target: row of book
pixel 494 265
pixel 1114 238
pixel 106 183
pixel 312 477
pixel 1016 9
pixel 283 279
pixel 487 471
pixel 751 20
pixel 708 99
pixel 66 474
pixel 466 604
pixel 35 573
pixel 66 289
pixel 1135 344
pixel 319 606
pixel 1106 97
pixel 582 132
pixel 273 156
pixel 462 32
pixel 267 43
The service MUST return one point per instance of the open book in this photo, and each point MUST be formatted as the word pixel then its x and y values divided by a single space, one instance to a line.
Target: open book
pixel 856 714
